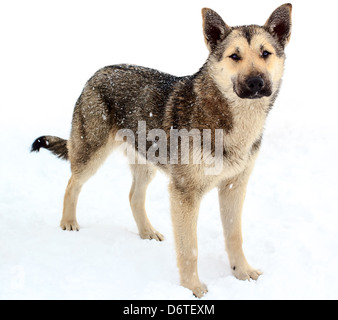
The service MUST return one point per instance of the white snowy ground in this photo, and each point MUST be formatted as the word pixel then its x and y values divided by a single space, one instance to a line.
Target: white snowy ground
pixel 49 50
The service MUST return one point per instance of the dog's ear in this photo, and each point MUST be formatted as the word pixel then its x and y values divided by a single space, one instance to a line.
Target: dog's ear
pixel 214 28
pixel 279 24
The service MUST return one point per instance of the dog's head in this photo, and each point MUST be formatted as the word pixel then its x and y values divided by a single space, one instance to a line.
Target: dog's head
pixel 248 61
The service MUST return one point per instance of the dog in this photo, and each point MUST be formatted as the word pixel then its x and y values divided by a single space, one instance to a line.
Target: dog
pixel 230 97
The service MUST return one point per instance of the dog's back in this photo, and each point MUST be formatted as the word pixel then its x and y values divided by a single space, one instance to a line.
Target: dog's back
pixel 129 94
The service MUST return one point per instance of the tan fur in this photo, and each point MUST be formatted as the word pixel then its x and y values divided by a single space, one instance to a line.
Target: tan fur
pixel 225 70
pixel 231 199
pixel 80 174
pixel 142 176
pixel 184 212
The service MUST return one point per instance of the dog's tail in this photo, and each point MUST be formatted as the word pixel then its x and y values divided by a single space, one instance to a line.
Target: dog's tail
pixel 56 145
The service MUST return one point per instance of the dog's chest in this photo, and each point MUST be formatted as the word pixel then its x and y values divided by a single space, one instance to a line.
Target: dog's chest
pixel 248 126
pixel 239 143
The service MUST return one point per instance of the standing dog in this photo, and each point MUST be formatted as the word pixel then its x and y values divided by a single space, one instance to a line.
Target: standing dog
pixel 232 94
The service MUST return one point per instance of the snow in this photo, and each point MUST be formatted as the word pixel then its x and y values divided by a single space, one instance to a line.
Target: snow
pixel 290 214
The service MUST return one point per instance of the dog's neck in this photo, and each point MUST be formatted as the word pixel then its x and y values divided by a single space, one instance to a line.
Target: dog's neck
pixel 242 119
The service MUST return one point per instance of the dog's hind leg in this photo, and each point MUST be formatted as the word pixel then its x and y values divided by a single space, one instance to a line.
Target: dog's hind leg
pixel 142 176
pixel 91 141
pixel 81 172
pixel 68 221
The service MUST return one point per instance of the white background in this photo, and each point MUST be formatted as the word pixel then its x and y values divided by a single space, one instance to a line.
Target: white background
pixel 49 49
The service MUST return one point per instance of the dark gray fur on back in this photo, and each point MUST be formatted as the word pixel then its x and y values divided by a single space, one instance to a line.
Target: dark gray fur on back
pixel 134 93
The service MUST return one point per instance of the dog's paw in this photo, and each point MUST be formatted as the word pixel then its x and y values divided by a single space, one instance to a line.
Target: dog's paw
pixel 151 234
pixel 200 291
pixel 245 272
pixel 70 225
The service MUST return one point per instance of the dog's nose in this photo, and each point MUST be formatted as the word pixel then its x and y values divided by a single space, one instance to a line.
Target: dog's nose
pixel 255 84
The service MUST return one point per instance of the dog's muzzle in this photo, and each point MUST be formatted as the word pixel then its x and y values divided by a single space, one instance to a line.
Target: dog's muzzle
pixel 254 88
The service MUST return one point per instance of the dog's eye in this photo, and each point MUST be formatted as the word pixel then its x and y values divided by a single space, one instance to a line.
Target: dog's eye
pixel 235 57
pixel 265 54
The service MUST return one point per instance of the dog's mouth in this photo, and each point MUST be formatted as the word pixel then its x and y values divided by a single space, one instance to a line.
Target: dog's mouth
pixel 253 96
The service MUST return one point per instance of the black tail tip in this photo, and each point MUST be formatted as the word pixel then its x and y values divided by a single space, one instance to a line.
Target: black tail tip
pixel 40 142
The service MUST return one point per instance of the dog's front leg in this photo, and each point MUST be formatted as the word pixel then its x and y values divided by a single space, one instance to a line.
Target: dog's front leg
pixel 231 199
pixel 184 211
